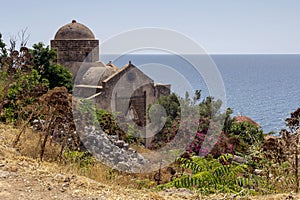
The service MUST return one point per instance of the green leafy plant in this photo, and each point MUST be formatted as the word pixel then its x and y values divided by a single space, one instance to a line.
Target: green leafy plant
pixel 246 135
pixel 143 184
pixel 3 50
pixel 209 175
pixel 132 134
pixel 107 121
pixel 81 159
pixel 44 62
pixel 21 89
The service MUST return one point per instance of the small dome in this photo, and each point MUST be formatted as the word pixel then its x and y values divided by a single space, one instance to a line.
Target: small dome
pixel 240 119
pixel 93 73
pixel 74 31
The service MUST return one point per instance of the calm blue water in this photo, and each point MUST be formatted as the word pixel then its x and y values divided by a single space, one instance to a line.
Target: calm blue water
pixel 263 87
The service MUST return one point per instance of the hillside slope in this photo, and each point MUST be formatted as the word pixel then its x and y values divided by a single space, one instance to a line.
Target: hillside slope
pixel 26 178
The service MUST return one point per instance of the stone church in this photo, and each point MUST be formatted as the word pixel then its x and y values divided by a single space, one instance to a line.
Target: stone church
pixel 126 90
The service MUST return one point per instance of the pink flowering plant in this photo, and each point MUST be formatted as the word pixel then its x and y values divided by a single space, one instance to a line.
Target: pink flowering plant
pixel 222 145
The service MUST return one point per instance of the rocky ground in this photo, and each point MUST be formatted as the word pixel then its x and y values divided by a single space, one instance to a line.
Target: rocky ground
pixel 26 178
pixel 112 151
pixel 29 180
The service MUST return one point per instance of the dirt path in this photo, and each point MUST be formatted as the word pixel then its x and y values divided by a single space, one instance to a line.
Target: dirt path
pixel 27 179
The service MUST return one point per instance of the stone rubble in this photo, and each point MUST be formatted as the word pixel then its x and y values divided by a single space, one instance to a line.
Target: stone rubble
pixel 112 151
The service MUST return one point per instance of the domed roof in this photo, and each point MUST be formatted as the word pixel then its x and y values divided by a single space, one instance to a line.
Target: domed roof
pixel 240 119
pixel 74 31
pixel 93 73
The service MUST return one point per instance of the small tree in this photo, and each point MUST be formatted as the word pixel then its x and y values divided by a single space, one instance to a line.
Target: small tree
pixel 56 74
pixel 20 84
pixel 3 51
pixel 246 135
pixel 291 138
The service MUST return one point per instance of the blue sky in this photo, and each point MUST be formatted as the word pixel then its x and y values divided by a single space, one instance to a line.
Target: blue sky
pixel 224 26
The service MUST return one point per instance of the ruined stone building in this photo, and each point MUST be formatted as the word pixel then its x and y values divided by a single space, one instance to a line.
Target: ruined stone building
pixel 126 90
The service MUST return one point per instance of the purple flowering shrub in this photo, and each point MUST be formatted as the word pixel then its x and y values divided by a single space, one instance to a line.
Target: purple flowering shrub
pixel 193 133
pixel 196 127
pixel 215 148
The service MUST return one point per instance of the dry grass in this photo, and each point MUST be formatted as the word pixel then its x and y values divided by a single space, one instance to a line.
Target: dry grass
pixel 29 146
pixel 117 185
pixel 39 175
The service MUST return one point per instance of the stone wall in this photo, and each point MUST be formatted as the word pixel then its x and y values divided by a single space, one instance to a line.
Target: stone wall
pixel 128 92
pixel 112 151
pixel 162 90
pixel 128 87
pixel 76 50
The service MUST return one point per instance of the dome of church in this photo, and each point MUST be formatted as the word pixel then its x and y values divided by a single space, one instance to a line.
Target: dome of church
pixel 74 31
pixel 94 73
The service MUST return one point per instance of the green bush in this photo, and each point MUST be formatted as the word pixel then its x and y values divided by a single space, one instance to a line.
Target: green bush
pixel 209 175
pixel 23 90
pixel 245 135
pixel 44 63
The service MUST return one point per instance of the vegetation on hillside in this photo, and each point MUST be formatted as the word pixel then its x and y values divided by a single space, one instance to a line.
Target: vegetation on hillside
pixel 25 75
pixel 241 160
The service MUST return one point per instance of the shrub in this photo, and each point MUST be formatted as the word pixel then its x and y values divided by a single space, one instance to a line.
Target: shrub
pixel 245 134
pixel 209 175
pixel 44 62
pixel 221 147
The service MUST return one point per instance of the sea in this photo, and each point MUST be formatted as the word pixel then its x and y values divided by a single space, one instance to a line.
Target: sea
pixel 263 87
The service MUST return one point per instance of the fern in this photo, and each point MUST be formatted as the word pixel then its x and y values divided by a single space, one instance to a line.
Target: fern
pixel 210 175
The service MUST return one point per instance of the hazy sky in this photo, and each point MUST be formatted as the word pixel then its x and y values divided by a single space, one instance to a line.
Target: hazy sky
pixel 224 26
